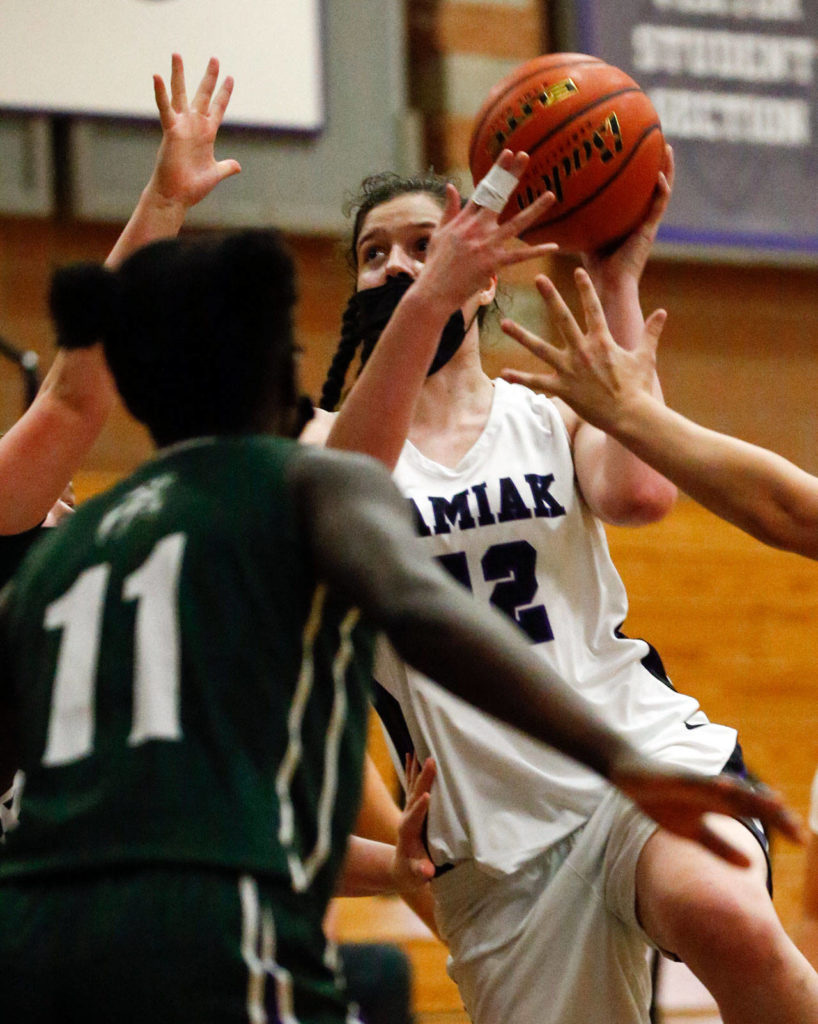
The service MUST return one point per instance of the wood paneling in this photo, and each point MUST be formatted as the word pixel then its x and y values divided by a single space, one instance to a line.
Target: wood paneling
pixel 499 30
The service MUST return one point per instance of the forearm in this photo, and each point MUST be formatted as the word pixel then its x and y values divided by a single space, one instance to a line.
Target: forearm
pixel 45 447
pixel 368 869
pixel 377 413
pixel 619 486
pixel 155 217
pixel 756 490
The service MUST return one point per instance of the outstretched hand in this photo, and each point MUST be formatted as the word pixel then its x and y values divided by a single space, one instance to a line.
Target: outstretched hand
pixel 186 168
pixel 469 246
pixel 679 801
pixel 587 369
pixel 412 864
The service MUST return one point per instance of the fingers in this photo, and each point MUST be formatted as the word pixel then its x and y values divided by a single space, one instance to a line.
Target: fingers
pixel 717 844
pixel 415 812
pixel 529 216
pixel 203 95
pixel 452 208
pixel 527 252
pixel 227 168
pixel 561 316
pixel 178 92
pixel 516 165
pixel 761 802
pixel 540 382
pixel 670 165
pixel 419 780
pixel 494 189
pixel 661 195
pixel 726 795
pixel 591 306
pixel 654 325
pixel 219 105
pixel 535 344
pixel 162 102
pixel 426 777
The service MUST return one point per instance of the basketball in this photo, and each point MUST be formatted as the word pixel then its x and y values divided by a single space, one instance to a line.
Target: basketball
pixel 594 139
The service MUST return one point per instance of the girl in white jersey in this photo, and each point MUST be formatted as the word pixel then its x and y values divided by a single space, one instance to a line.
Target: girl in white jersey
pixel 551 886
pixel 762 493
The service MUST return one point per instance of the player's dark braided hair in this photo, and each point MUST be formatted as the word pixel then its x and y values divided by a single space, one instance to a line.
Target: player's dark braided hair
pixel 344 354
pixel 194 331
pixel 374 191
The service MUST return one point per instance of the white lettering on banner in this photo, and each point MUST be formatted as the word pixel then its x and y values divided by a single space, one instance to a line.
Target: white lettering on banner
pixel 762 10
pixel 740 56
pixel 732 117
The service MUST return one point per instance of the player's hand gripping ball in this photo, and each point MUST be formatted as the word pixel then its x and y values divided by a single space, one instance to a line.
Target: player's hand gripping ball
pixel 594 140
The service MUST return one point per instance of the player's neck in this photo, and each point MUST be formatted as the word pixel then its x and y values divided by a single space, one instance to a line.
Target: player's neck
pixel 452 411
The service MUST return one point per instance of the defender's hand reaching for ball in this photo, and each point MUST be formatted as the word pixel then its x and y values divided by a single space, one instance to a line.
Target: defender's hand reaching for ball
pixel 587 369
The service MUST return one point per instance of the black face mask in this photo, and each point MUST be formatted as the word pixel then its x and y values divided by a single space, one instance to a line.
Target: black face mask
pixel 374 307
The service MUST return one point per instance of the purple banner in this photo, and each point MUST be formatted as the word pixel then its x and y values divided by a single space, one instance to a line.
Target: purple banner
pixel 734 82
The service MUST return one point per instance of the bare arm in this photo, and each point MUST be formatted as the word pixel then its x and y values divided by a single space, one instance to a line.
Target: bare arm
pixel 401 866
pixel 756 490
pixel 618 486
pixel 45 447
pixel 380 819
pixel 365 548
pixel 43 450
pixel 186 168
pixel 464 253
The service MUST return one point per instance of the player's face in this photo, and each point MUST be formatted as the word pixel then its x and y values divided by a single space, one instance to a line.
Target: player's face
pixel 394 238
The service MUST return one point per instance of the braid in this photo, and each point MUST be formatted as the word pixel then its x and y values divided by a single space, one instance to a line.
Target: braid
pixel 336 375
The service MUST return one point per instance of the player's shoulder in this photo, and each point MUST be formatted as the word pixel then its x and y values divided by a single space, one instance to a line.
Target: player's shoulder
pixel 519 400
pixel 317 429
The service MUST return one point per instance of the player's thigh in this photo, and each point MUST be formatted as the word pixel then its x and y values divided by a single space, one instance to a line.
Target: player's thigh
pixel 685 893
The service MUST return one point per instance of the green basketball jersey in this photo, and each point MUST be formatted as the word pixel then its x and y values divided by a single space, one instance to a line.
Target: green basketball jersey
pixel 188 691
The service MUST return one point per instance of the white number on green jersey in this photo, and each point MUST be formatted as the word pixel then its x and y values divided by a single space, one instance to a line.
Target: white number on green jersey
pixel 79 613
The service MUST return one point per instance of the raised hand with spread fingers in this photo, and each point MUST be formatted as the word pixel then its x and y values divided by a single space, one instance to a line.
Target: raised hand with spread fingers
pixel 186 168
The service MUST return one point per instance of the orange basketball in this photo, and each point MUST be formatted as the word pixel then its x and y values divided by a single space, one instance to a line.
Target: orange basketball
pixel 594 140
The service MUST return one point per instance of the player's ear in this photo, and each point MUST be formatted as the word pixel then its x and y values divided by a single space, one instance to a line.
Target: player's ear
pixel 487 294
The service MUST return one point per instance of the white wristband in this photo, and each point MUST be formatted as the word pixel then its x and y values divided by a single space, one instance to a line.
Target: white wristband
pixel 494 189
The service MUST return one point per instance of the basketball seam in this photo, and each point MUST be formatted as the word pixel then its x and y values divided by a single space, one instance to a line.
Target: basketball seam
pixel 553 221
pixel 580 113
pixel 513 86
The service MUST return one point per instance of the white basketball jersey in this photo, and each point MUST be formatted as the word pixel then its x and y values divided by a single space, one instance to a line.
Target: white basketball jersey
pixel 510 523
